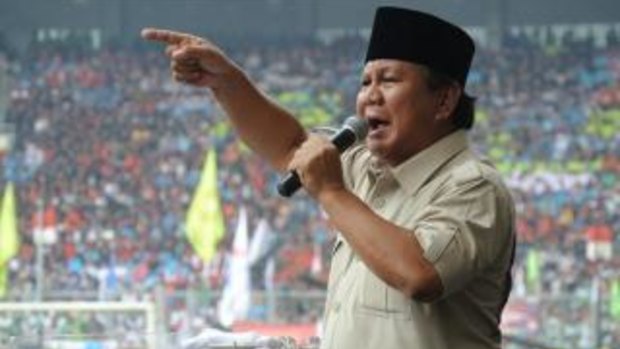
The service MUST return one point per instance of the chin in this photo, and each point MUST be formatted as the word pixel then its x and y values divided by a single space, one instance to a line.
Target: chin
pixel 376 148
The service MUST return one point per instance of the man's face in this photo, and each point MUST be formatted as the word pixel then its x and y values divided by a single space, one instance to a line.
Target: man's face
pixel 400 109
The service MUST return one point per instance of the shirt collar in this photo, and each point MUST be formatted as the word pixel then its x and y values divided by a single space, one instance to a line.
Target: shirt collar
pixel 414 172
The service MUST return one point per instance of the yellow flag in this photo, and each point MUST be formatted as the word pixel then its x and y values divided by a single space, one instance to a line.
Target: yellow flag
pixel 9 239
pixel 204 224
pixel 614 298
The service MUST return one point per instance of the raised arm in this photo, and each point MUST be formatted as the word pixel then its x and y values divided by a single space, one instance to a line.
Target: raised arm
pixel 267 128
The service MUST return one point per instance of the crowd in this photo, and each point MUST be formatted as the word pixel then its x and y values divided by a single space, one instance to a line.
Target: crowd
pixel 108 151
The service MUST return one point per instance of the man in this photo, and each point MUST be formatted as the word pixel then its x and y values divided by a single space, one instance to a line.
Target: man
pixel 426 235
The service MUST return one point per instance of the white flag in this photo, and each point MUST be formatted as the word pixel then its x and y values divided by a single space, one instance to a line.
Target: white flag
pixel 261 241
pixel 236 298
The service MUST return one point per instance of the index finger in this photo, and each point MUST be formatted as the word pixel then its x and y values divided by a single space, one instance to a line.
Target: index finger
pixel 166 36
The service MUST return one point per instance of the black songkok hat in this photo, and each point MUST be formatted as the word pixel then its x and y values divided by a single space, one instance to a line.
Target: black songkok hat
pixel 421 38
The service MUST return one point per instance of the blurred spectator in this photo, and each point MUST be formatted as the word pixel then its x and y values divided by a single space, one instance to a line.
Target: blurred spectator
pixel 108 150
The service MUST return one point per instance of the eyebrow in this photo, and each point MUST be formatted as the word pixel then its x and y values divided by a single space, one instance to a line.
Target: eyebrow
pixel 384 69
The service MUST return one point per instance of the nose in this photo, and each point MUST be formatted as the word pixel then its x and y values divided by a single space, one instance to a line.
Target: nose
pixel 373 94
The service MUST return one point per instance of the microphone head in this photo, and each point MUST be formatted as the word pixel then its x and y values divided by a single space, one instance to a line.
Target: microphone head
pixel 358 125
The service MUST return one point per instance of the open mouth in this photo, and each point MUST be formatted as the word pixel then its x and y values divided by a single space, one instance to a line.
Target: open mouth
pixel 375 124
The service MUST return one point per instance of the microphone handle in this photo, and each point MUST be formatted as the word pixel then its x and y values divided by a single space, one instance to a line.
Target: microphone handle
pixel 289 184
pixel 343 139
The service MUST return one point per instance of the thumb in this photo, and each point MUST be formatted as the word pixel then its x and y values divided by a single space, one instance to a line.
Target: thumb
pixel 208 56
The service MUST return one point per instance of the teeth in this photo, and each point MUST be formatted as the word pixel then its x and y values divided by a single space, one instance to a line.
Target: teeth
pixel 374 123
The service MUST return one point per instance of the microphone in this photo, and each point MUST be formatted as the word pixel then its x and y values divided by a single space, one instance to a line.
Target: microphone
pixel 353 130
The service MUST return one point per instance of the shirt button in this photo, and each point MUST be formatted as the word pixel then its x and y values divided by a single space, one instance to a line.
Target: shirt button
pixel 336 308
pixel 380 203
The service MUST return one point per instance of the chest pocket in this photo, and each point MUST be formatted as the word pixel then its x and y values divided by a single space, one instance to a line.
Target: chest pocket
pixel 377 299
pixel 374 297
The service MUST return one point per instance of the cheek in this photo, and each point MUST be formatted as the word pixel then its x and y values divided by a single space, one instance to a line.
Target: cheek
pixel 402 107
pixel 407 117
pixel 409 103
pixel 359 104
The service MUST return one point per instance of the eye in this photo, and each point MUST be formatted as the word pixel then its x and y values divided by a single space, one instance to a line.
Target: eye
pixel 390 78
pixel 365 82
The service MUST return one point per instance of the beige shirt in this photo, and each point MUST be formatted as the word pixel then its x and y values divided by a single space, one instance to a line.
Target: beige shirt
pixel 462 215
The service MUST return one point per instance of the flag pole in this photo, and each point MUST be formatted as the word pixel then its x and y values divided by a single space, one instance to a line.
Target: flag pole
pixel 40 248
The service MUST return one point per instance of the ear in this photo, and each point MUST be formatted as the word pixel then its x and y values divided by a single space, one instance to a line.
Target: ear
pixel 447 100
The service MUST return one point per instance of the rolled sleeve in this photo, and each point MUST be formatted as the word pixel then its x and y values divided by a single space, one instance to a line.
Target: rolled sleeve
pixel 460 233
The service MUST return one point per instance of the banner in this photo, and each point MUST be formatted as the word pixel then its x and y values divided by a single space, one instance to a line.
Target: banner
pixel 533 266
pixel 205 225
pixel 9 239
pixel 236 298
pixel 614 298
